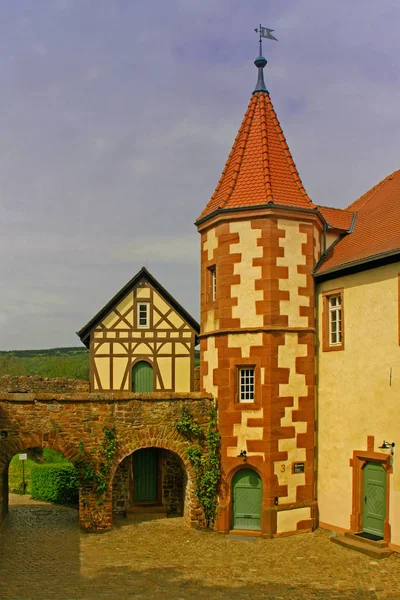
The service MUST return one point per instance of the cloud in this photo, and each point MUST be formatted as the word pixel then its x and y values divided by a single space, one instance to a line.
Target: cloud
pixel 183 249
pixel 117 122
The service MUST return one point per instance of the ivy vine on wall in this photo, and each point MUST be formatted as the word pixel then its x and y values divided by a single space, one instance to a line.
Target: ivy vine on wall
pixel 204 456
pixel 94 468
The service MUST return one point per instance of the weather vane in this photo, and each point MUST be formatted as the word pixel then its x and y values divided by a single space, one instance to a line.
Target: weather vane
pixel 265 33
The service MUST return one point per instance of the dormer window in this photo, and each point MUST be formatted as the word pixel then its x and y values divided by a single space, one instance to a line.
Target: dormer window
pixel 143 315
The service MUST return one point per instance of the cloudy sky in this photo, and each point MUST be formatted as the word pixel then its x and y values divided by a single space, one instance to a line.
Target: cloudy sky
pixel 117 116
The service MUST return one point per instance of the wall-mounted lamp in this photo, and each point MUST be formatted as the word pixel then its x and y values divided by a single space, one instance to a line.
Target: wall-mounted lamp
pixel 3 435
pixel 243 454
pixel 386 445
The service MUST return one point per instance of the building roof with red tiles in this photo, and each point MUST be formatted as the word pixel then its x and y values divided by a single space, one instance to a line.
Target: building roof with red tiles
pixel 376 231
pixel 260 168
pixel 337 218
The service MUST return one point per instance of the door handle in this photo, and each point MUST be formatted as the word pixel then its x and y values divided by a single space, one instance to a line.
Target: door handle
pixel 365 499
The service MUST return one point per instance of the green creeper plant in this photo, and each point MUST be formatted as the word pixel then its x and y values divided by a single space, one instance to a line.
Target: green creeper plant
pixel 93 471
pixel 204 456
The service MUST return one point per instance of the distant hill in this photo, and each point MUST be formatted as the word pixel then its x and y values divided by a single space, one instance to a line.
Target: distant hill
pixel 52 362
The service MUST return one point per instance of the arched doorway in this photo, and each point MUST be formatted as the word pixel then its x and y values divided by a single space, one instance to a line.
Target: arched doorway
pixel 150 477
pixel 246 500
pixel 142 377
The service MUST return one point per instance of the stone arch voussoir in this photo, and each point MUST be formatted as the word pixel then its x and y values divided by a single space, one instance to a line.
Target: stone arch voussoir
pixel 52 440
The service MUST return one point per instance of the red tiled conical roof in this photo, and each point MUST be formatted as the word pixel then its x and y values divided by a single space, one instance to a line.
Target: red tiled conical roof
pixel 260 168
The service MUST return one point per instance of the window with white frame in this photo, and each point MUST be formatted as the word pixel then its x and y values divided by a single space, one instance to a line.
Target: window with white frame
pixel 335 320
pixel 246 384
pixel 212 283
pixel 143 310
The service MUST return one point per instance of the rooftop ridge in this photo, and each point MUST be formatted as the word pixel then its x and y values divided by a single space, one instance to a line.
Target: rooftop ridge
pixel 265 153
pixel 335 208
pixel 244 127
pixel 247 122
pixel 370 193
pixel 288 154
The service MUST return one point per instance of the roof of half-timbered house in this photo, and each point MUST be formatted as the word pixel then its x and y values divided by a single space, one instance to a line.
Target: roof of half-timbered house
pixel 143 274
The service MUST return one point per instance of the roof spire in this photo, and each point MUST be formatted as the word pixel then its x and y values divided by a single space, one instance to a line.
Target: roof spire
pixel 260 61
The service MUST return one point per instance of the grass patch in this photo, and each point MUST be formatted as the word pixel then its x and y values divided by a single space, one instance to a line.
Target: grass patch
pixel 53 362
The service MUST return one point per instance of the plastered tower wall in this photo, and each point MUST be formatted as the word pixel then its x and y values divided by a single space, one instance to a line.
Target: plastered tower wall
pixel 263 316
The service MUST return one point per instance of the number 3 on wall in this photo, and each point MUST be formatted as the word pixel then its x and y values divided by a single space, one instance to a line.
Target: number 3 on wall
pixel 282 468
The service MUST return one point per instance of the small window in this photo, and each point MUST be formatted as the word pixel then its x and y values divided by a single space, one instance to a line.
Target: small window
pixel 212 283
pixel 143 315
pixel 246 384
pixel 332 321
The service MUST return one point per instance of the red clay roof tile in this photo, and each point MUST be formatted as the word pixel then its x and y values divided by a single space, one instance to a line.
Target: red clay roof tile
pixel 260 168
pixel 376 230
pixel 337 218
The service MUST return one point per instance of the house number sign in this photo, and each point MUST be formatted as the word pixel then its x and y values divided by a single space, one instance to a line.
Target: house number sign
pixel 298 468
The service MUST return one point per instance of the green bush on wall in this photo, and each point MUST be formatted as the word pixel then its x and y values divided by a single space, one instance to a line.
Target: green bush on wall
pixel 55 482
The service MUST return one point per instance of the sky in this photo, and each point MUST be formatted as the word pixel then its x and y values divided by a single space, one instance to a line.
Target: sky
pixel 117 117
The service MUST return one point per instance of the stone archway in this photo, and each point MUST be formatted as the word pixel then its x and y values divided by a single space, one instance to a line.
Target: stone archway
pixel 12 446
pixel 173 453
pixel 164 489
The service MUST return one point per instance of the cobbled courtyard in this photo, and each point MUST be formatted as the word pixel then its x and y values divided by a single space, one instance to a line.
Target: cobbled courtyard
pixel 44 556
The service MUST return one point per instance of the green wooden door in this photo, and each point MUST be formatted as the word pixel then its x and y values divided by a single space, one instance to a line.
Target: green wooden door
pixel 145 471
pixel 374 500
pixel 142 377
pixel 246 500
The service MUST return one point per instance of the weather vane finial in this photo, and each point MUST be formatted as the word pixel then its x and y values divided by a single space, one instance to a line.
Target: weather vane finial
pixel 260 61
pixel 264 33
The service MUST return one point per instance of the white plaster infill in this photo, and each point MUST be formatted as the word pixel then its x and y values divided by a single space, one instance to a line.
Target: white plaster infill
pixel 296 387
pixel 245 291
pixel 293 257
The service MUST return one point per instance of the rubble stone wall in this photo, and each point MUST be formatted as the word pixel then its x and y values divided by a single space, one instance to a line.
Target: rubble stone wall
pixel 60 420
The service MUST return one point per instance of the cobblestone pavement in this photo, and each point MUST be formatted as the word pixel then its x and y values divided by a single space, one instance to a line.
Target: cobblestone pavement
pixel 43 556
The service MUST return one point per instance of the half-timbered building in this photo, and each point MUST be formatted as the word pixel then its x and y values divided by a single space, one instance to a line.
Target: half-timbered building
pixel 142 340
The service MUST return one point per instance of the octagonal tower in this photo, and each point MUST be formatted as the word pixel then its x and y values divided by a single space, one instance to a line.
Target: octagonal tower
pixel 260 240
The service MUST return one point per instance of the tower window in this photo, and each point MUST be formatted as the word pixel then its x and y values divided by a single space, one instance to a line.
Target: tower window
pixel 212 283
pixel 143 315
pixel 246 384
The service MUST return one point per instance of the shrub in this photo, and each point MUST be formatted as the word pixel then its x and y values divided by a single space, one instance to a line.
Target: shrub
pixel 51 456
pixel 55 482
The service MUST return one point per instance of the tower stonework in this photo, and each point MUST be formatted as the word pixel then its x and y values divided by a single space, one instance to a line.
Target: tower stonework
pixel 260 241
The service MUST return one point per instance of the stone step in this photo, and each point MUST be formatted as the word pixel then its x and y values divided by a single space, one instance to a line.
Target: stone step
pixel 360 546
pixel 139 512
pixel 146 508
pixel 357 538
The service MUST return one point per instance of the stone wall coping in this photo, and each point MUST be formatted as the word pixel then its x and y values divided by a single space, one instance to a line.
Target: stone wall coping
pixel 31 397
